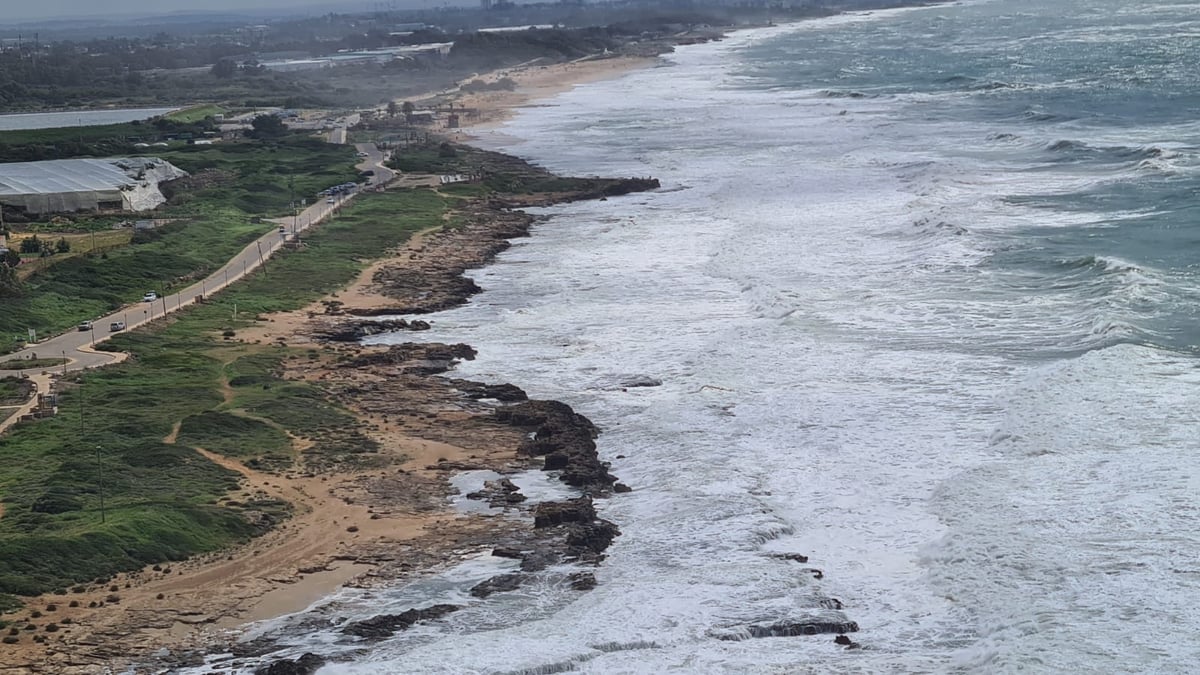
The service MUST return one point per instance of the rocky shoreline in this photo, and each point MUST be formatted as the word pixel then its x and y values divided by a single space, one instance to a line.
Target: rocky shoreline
pixel 407 388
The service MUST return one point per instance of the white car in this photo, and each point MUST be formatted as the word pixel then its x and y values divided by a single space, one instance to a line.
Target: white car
pixel 331 200
pixel 150 297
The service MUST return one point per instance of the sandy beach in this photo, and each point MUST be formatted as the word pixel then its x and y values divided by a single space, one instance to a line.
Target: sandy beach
pixel 352 528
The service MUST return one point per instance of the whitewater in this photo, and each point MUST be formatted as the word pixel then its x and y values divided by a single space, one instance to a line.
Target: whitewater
pixel 920 287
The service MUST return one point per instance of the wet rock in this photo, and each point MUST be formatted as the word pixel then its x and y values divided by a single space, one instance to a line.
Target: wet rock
pixel 565 438
pixel 640 381
pixel 846 642
pixel 536 561
pixel 507 552
pixel 505 393
pixel 498 584
pixel 582 581
pixel 538 413
pixel 384 625
pixel 305 665
pixel 578 510
pixel 355 331
pixel 796 628
pixel 592 537
pixel 621 488
pixel 416 358
pixel 794 557
pixel 555 461
pixel 498 493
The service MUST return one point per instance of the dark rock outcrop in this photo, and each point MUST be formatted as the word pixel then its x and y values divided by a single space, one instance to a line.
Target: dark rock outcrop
pixel 582 581
pixel 305 665
pixel 565 438
pixel 429 358
pixel 592 537
pixel 498 493
pixel 549 514
pixel 498 584
pixel 505 393
pixel 796 628
pixel 384 625
pixel 354 331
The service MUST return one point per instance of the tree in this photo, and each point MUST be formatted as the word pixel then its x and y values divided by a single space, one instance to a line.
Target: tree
pixel 224 68
pixel 10 285
pixel 407 108
pixel 31 245
pixel 268 126
pixel 62 246
pixel 392 108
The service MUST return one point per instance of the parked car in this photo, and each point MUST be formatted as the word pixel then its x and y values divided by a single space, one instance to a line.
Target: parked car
pixel 116 326
pixel 331 200
pixel 85 326
pixel 150 297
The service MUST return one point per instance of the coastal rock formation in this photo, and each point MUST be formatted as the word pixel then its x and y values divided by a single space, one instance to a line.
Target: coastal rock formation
pixel 565 439
pixel 793 629
pixel 582 581
pixel 384 625
pixel 429 358
pixel 498 584
pixel 305 665
pixel 505 393
pixel 354 331
pixel 498 493
pixel 549 514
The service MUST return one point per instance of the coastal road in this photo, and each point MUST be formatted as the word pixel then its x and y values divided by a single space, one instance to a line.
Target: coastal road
pixel 76 346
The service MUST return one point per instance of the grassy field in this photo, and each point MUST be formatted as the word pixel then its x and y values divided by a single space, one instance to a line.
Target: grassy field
pixel 252 179
pixel 195 114
pixel 24 364
pixel 162 500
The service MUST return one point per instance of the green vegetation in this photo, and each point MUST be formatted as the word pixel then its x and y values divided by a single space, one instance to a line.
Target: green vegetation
pixel 195 113
pixel 25 364
pixel 163 501
pixel 13 390
pixel 236 436
pixel 230 186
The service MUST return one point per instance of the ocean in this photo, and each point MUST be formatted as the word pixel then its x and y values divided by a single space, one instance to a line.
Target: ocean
pixel 922 290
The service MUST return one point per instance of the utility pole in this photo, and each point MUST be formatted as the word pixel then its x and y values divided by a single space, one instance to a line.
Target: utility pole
pixel 99 459
pixel 100 481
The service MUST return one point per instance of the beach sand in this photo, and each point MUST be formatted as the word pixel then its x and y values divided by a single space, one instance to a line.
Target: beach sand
pixel 346 526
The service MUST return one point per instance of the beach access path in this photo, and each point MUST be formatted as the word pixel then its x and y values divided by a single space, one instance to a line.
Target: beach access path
pixel 78 346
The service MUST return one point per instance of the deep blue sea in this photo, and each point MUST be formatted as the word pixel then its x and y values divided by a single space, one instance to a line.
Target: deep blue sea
pixel 922 287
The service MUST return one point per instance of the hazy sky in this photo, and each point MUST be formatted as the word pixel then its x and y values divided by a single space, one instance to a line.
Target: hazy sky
pixel 43 9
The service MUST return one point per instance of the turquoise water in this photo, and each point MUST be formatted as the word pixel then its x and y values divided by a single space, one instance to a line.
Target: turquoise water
pixel 1102 95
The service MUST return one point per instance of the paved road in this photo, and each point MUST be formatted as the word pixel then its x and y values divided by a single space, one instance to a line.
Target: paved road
pixel 76 345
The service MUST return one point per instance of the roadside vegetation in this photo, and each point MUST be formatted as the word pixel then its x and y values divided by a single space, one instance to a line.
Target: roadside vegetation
pixel 212 215
pixel 131 429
